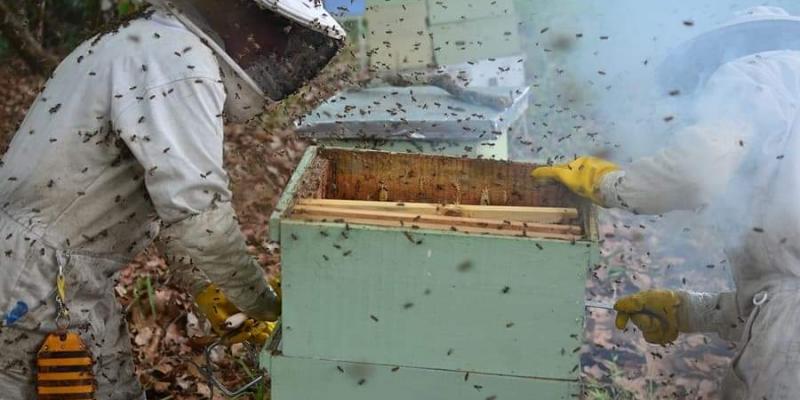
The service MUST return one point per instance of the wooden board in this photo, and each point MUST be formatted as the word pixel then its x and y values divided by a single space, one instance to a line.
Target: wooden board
pixel 477 39
pixel 298 184
pixel 398 36
pixel 440 300
pixel 315 179
pixel 440 12
pixel 407 50
pixel 477 148
pixel 309 379
pixel 446 222
pixel 438 227
pixel 542 215
pixel 364 175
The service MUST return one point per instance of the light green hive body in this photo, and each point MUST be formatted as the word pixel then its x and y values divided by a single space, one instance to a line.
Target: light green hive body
pixel 436 304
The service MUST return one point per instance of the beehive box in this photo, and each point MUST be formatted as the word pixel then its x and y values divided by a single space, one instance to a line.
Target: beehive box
pixel 397 35
pixel 476 39
pixel 445 12
pixel 413 34
pixel 408 309
pixel 419 119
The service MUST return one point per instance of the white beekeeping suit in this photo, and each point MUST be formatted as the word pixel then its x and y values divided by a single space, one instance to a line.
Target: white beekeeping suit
pixel 125 137
pixel 741 161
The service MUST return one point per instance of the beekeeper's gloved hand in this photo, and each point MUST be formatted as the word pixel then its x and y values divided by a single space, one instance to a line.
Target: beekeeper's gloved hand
pixel 657 313
pixel 228 321
pixel 582 176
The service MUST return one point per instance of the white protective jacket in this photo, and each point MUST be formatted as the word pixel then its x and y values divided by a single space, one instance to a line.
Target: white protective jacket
pixel 740 162
pixel 126 136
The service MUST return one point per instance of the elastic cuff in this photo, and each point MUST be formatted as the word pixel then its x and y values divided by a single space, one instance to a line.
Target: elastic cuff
pixel 267 307
pixel 197 286
pixel 709 312
pixel 607 193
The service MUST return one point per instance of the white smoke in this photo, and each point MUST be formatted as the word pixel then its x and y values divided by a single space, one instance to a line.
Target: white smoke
pixel 606 72
pixel 596 82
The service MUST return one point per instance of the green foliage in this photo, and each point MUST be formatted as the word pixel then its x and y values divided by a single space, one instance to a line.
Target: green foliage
pixel 60 25
pixel 143 286
pixel 127 7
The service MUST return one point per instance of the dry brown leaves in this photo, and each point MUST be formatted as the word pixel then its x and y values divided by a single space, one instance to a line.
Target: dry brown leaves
pixel 18 88
pixel 640 253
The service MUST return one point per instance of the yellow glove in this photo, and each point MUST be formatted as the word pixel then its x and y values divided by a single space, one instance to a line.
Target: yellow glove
pixel 213 304
pixel 654 312
pixel 275 282
pixel 582 176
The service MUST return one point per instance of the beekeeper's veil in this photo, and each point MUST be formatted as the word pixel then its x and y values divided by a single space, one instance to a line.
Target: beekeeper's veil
pixel 267 49
pixel 754 30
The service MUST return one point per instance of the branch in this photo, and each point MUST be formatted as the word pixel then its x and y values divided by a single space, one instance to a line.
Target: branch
pixel 448 83
pixel 24 42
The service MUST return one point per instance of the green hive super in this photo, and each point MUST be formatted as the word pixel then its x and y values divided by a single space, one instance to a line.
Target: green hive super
pixel 407 312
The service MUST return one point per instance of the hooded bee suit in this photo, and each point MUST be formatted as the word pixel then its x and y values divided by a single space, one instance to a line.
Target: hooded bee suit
pixel 740 160
pixel 126 137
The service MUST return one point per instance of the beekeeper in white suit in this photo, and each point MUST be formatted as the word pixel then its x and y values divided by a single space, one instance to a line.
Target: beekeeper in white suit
pixel 739 162
pixel 125 137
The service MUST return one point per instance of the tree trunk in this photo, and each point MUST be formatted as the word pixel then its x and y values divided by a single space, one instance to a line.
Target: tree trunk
pixel 23 41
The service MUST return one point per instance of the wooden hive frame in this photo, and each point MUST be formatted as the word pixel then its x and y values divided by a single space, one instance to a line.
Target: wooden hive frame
pixel 435 192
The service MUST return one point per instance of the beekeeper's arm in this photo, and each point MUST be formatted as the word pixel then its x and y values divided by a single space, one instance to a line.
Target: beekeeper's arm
pixel 697 165
pixel 175 131
pixel 737 102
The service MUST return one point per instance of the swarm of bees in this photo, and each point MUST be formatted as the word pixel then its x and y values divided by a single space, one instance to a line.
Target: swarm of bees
pixel 525 139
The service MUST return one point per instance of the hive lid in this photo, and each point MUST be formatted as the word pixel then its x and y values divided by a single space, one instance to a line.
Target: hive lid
pixel 412 113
